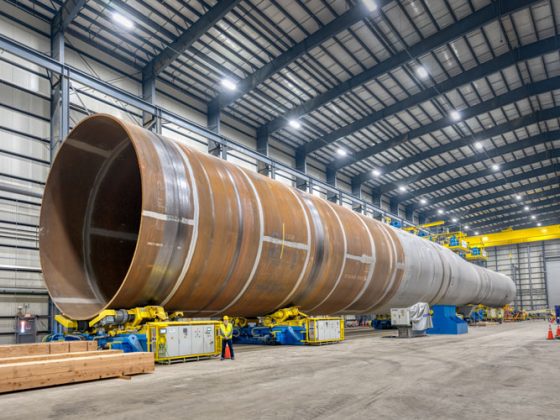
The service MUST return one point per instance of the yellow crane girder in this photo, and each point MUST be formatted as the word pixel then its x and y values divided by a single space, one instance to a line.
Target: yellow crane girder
pixel 509 237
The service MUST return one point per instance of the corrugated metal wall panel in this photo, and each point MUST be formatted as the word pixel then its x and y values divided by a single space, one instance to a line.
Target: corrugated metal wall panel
pixel 525 264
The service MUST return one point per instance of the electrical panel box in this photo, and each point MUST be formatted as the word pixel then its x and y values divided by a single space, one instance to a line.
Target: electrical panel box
pixel 400 316
pixel 180 340
pixel 328 330
pixel 324 330
pixel 172 338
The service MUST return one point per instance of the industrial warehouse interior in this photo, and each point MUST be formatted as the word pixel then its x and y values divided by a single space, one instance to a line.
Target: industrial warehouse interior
pixel 279 209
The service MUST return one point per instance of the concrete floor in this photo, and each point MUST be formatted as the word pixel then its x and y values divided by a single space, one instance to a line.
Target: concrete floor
pixel 508 371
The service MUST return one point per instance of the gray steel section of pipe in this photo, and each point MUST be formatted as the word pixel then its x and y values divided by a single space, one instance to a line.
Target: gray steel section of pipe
pixel 131 218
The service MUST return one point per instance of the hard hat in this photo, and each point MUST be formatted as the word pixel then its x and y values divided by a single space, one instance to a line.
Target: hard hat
pixel 226 318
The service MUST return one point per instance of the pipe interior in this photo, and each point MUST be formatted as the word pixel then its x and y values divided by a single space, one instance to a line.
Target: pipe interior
pixel 91 213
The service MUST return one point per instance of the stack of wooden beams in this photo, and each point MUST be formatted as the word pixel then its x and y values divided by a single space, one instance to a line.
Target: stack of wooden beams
pixel 27 366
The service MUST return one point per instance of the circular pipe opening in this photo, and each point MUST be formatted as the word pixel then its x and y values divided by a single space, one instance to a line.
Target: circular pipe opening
pixel 90 217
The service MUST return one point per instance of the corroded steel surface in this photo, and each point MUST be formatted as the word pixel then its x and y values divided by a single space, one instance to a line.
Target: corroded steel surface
pixel 131 218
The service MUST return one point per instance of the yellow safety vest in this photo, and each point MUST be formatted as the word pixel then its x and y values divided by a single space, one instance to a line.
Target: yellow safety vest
pixel 227 331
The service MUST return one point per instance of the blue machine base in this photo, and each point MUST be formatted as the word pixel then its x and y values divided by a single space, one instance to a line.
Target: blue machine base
pixel 446 321
pixel 128 343
pixel 279 335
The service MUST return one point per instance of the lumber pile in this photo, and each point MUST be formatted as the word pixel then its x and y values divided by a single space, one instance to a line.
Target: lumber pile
pixel 55 347
pixel 28 366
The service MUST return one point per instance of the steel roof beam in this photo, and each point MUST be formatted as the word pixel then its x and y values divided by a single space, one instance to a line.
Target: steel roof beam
pixel 497 183
pixel 354 15
pixel 66 14
pixel 188 38
pixel 478 72
pixel 536 158
pixel 505 219
pixel 546 220
pixel 472 22
pixel 538 207
pixel 513 96
pixel 530 200
pixel 545 137
pixel 455 211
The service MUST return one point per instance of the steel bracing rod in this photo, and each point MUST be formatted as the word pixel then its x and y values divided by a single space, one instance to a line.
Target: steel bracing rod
pixel 463 139
pixel 188 37
pixel 548 136
pixel 33 56
pixel 66 14
pixel 352 16
pixel 508 219
pixel 518 163
pixel 507 193
pixel 486 69
pixel 472 22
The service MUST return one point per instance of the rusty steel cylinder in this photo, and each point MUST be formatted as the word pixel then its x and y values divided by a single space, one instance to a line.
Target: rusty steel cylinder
pixel 130 218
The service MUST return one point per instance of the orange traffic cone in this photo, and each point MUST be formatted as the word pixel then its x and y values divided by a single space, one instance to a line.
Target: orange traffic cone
pixel 227 354
pixel 549 335
pixel 558 331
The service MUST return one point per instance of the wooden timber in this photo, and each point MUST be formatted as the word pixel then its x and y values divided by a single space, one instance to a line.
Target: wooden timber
pixel 65 370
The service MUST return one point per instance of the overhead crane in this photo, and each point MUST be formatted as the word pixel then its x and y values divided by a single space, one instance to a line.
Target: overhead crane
pixel 511 237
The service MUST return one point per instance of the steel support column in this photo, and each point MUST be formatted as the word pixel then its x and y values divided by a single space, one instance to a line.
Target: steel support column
pixel 376 197
pixel 150 121
pixel 301 165
pixel 60 96
pixel 394 206
pixel 214 124
pixel 357 192
pixel 409 212
pixel 331 180
pixel 262 147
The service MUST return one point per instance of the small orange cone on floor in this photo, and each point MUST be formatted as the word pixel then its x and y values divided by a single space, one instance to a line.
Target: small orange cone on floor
pixel 227 354
pixel 550 336
pixel 557 330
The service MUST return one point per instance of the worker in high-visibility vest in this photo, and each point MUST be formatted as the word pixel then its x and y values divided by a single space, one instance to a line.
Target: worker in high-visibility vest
pixel 226 331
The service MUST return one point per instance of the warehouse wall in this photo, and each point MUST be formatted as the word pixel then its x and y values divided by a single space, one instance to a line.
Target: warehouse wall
pixel 24 159
pixel 25 152
pixel 527 265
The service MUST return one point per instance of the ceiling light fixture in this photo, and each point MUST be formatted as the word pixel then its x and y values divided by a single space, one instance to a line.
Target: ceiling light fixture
pixel 454 220
pixel 476 232
pixel 539 224
pixel 341 152
pixel 123 21
pixel 495 167
pixel 423 201
pixel 371 5
pixel 526 208
pixel 422 72
pixel 376 172
pixel 295 124
pixel 466 227
pixel 455 115
pixel 478 145
pixel 518 197
pixel 402 188
pixel 533 217
pixel 229 84
pixel 440 211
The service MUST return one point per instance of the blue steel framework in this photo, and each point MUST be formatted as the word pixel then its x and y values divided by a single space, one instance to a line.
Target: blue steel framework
pixel 180 44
